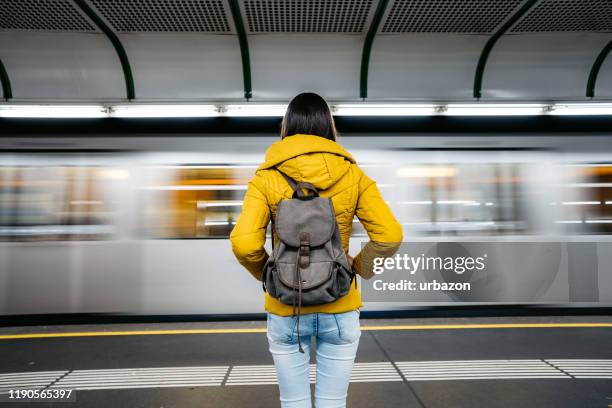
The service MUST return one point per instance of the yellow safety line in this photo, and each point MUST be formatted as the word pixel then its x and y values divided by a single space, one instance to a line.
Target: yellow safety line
pixel 486 326
pixel 263 330
pixel 129 333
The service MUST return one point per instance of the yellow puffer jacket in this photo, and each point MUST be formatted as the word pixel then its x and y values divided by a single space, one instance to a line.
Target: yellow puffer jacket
pixel 333 171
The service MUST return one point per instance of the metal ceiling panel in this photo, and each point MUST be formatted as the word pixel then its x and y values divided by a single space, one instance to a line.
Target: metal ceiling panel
pixel 447 16
pixel 185 66
pixel 306 16
pixel 128 16
pixel 55 15
pixel 424 66
pixel 542 66
pixel 283 66
pixel 567 15
pixel 61 65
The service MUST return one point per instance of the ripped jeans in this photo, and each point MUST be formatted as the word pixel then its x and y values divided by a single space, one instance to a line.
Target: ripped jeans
pixel 337 338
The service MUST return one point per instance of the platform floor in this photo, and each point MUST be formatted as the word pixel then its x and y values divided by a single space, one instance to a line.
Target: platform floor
pixel 459 362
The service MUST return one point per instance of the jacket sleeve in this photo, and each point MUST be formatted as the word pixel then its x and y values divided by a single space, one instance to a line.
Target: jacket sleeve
pixel 384 231
pixel 249 234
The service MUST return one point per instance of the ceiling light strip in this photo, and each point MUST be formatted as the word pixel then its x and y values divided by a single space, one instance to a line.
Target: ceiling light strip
pixel 10 110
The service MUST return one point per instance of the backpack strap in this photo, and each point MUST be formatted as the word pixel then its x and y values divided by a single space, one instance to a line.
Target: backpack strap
pixel 299 187
pixel 289 180
pixel 263 275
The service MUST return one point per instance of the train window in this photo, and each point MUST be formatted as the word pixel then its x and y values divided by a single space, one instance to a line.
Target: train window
pixel 585 204
pixel 461 199
pixel 195 201
pixel 55 202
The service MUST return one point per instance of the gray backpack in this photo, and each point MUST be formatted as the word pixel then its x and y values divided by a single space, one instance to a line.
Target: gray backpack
pixel 308 265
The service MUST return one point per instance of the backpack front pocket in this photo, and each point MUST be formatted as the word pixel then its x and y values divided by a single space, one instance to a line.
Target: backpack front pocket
pixel 316 274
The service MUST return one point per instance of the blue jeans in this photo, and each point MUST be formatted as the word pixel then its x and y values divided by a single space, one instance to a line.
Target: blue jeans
pixel 337 340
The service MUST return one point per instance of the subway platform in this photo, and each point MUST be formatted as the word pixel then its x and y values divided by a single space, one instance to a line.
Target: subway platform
pixel 556 362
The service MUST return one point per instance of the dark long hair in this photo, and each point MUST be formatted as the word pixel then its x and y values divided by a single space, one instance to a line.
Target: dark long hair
pixel 309 114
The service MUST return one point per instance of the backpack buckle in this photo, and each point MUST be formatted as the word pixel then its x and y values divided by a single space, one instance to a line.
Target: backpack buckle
pixel 304 251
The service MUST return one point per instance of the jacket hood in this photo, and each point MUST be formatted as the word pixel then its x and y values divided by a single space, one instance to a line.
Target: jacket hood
pixel 314 159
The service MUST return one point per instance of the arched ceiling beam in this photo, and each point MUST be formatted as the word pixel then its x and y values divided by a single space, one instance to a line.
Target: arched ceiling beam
pixel 244 48
pixel 595 70
pixel 123 58
pixel 367 47
pixel 484 55
pixel 7 92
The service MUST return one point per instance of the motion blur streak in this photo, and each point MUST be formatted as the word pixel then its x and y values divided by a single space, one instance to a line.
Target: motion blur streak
pixel 143 229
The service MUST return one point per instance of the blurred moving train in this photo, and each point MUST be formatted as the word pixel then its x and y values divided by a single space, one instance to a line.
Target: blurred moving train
pixel 140 225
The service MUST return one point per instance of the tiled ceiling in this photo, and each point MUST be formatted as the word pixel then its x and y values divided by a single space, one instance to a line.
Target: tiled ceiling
pixel 128 16
pixel 53 15
pixel 309 16
pixel 447 16
pixel 306 16
pixel 567 15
